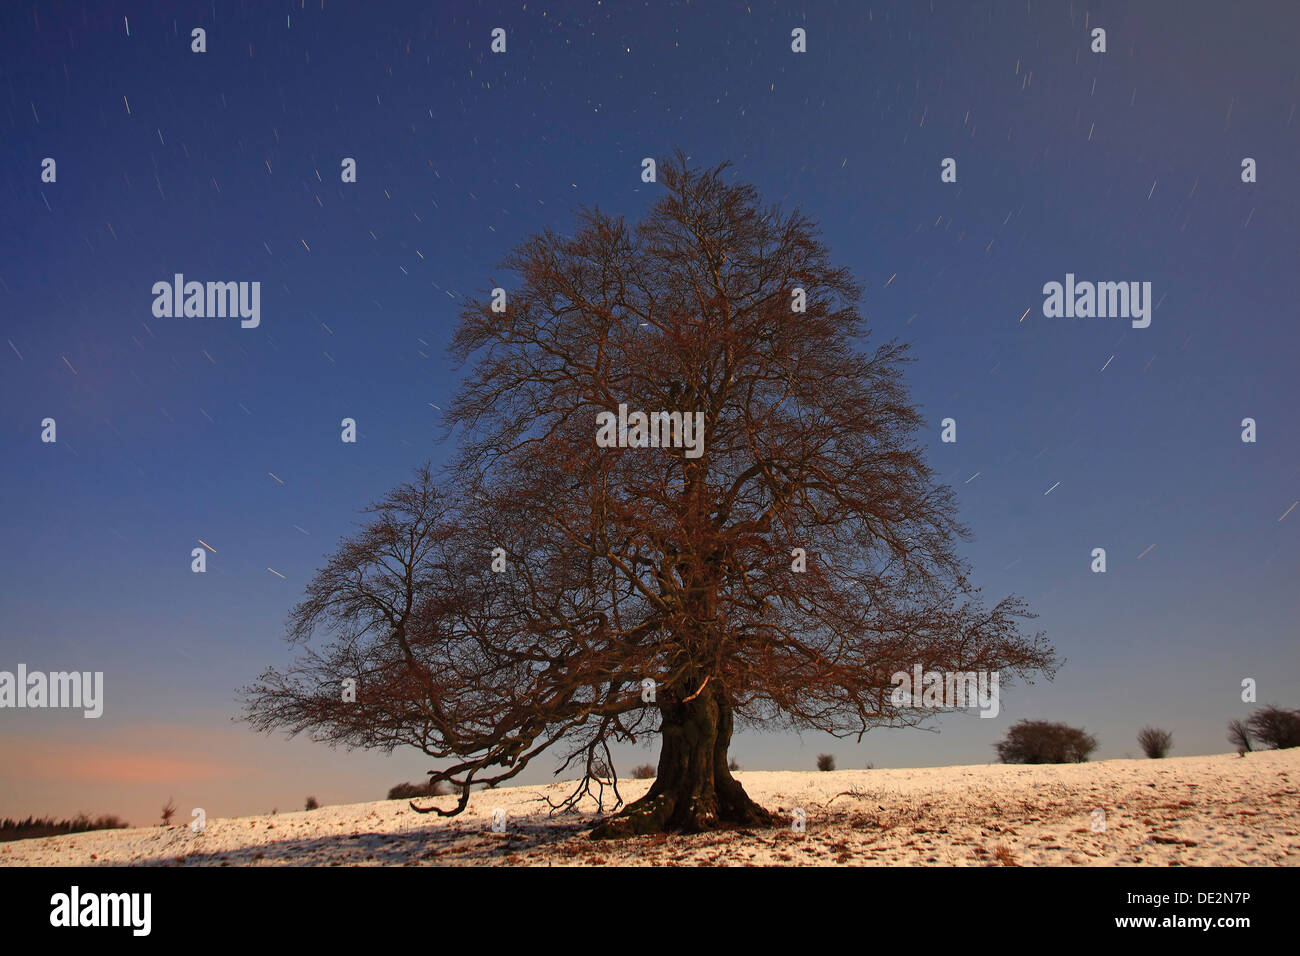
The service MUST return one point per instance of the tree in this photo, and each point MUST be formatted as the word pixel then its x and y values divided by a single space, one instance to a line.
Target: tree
pixel 776 573
pixel 405 791
pixel 1155 743
pixel 1239 736
pixel 1041 741
pixel 311 804
pixel 1275 727
pixel 825 761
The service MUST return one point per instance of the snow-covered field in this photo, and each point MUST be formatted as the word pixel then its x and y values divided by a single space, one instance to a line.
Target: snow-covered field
pixel 1180 811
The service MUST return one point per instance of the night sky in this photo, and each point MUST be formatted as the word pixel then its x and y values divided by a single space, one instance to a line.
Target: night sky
pixel 1072 434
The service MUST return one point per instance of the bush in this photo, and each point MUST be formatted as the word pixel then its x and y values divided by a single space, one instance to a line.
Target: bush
pixel 1275 727
pixel 825 761
pixel 312 804
pixel 733 764
pixel 644 772
pixel 1239 736
pixel 168 812
pixel 1155 743
pixel 409 791
pixel 1041 741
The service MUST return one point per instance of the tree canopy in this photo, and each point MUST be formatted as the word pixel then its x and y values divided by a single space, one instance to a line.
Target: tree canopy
pixel 778 578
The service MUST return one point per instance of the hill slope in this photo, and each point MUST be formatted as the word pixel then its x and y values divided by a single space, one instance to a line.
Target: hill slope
pixel 1218 809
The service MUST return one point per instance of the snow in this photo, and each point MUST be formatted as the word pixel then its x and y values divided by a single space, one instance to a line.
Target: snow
pixel 1207 810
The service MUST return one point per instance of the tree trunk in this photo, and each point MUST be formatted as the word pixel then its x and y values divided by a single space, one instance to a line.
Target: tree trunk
pixel 693 791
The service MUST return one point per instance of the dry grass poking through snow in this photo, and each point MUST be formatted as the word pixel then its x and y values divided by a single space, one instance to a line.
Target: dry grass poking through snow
pixel 1190 811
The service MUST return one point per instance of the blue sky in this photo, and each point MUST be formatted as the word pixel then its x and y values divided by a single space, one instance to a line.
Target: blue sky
pixel 1122 166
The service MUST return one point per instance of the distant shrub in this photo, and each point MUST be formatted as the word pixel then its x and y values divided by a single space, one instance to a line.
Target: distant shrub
pixel 1041 741
pixel 1155 743
pixel 1239 736
pixel 733 764
pixel 409 791
pixel 312 804
pixel 33 827
pixel 1275 727
pixel 168 811
pixel 825 761
pixel 871 766
pixel 644 772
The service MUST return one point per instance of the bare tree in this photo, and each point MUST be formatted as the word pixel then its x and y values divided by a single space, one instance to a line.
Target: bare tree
pixel 777 572
pixel 1275 727
pixel 1155 743
pixel 1239 736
